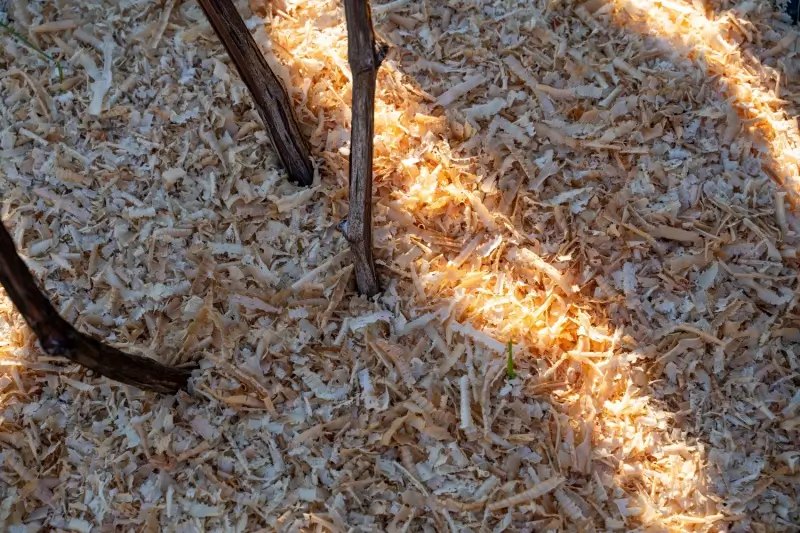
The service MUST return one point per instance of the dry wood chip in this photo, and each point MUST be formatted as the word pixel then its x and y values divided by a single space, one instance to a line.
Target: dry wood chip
pixel 457 91
pixel 616 196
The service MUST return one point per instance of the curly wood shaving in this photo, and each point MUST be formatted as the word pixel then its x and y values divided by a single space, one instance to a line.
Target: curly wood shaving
pixel 658 176
pixel 535 492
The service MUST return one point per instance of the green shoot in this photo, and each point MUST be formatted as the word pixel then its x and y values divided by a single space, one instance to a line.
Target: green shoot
pixel 11 31
pixel 510 361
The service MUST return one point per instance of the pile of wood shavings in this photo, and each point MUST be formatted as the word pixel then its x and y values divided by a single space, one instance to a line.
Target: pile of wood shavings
pixel 573 178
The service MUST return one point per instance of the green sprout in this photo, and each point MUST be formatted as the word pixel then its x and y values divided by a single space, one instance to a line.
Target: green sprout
pixel 510 361
pixel 14 33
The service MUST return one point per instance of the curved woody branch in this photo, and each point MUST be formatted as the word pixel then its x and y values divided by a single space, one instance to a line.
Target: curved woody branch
pixel 59 338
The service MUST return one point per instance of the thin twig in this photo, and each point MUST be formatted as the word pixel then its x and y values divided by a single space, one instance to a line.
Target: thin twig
pixel 271 99
pixel 365 56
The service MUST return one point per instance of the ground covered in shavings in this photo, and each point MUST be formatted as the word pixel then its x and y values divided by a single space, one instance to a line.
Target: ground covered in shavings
pixel 607 185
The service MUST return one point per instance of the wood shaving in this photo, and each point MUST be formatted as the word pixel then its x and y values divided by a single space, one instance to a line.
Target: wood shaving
pixel 610 185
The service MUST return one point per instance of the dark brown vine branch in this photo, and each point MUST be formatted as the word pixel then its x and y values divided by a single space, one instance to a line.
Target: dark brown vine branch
pixel 365 55
pixel 59 338
pixel 270 97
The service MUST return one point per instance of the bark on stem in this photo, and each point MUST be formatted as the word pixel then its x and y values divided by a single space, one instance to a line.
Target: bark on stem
pixel 58 338
pixel 271 99
pixel 364 55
